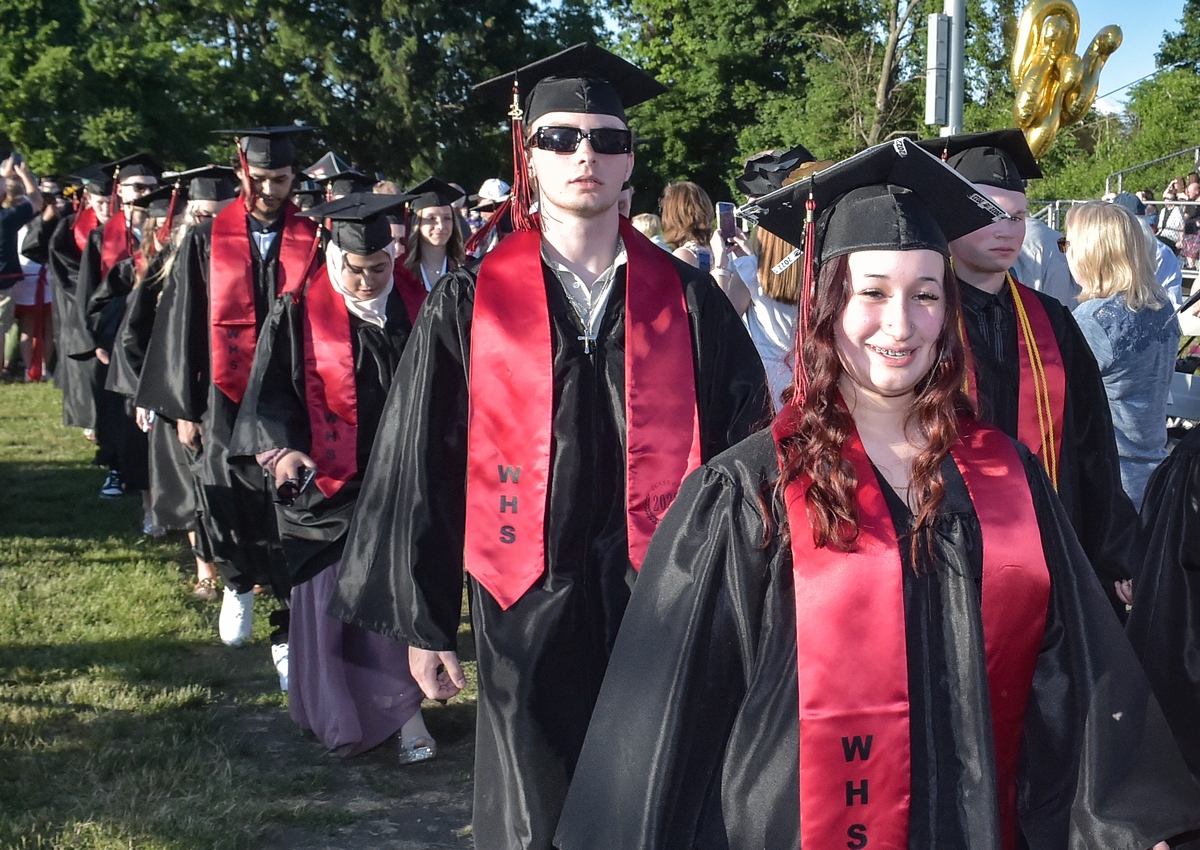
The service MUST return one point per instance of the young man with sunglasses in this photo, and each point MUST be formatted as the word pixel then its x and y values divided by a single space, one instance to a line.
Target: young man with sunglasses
pixel 569 380
pixel 1035 377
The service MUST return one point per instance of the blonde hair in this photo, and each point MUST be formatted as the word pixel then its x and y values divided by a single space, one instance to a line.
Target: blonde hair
pixel 1110 254
pixel 687 214
pixel 648 223
pixel 771 251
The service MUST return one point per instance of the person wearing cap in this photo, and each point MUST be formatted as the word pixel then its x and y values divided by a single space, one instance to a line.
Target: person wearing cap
pixel 435 243
pixel 227 274
pixel 76 377
pixel 313 406
pixel 33 293
pixel 491 198
pixel 569 381
pixel 856 629
pixel 1034 376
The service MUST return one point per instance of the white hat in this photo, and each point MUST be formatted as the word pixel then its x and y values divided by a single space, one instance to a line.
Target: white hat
pixel 493 191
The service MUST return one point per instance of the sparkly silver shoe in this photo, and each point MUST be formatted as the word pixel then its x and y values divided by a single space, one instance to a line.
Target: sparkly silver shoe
pixel 417 748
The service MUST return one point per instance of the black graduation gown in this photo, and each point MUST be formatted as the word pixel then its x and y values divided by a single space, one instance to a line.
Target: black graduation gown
pixel 274 414
pixel 75 378
pixel 235 499
pixel 695 738
pixel 1089 477
pixel 1164 626
pixel 171 483
pixel 541 662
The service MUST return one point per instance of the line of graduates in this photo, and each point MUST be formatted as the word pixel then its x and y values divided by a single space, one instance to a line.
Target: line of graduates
pixel 886 614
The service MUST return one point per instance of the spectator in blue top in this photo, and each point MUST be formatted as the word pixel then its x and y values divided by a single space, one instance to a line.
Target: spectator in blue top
pixel 1128 322
pixel 12 218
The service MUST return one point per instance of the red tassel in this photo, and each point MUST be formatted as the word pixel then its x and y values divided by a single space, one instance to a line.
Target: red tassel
pixel 520 197
pixel 807 287
pixel 247 186
pixel 164 231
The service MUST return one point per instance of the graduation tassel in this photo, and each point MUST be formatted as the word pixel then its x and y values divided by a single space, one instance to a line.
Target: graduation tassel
pixel 520 198
pixel 164 231
pixel 247 186
pixel 807 285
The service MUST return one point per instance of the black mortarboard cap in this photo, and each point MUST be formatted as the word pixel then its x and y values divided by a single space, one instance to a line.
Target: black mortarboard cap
pixel 359 222
pixel 137 165
pixel 329 166
pixel 433 192
pixel 765 172
pixel 93 178
pixel 207 183
pixel 584 78
pixel 158 202
pixel 894 196
pixel 310 188
pixel 267 147
pixel 999 158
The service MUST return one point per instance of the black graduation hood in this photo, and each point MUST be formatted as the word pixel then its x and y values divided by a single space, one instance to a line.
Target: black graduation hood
pixel 434 192
pixel 136 165
pixel 207 183
pixel 267 147
pixel 894 196
pixel 999 158
pixel 359 222
pixel 584 79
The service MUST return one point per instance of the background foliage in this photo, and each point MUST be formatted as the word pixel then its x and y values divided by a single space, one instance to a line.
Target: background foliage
pixel 388 82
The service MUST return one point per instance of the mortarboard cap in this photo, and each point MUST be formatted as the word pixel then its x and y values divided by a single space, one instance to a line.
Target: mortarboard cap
pixel 137 165
pixel 207 183
pixel 93 178
pixel 329 166
pixel 308 189
pixel 584 78
pixel 359 222
pixel 894 196
pixel 999 158
pixel 267 147
pixel 433 192
pixel 767 171
pixel 157 203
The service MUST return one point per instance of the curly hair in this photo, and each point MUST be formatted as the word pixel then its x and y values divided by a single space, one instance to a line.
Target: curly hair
pixel 814 450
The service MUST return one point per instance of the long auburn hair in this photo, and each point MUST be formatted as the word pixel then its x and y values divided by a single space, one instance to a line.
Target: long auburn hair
pixel 824 423
pixel 455 254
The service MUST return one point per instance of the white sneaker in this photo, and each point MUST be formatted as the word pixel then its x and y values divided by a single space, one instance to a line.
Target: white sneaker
pixel 237 617
pixel 279 654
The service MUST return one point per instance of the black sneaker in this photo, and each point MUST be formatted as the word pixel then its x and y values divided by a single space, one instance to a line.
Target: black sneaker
pixel 114 487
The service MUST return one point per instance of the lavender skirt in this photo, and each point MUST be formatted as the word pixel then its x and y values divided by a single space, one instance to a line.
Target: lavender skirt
pixel 349 686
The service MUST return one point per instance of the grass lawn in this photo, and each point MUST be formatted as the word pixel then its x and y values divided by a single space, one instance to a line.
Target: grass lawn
pixel 124 723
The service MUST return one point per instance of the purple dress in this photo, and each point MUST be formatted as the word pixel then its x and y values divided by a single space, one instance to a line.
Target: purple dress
pixel 349 686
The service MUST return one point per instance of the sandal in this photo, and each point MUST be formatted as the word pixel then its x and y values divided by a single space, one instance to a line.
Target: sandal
pixel 417 748
pixel 206 590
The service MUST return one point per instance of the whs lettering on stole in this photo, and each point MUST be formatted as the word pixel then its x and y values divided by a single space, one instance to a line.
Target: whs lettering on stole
pixel 858 749
pixel 511 476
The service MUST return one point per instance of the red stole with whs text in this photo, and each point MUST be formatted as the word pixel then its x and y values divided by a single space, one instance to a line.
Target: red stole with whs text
pixel 511 408
pixel 231 289
pixel 852 668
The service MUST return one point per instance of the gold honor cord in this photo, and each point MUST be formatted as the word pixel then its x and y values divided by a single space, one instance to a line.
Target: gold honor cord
pixel 1041 387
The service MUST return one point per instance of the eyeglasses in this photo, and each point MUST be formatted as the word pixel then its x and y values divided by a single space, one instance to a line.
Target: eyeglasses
pixel 604 140
pixel 1063 244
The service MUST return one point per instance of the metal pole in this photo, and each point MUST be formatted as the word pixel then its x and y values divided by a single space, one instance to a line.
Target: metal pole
pixel 957 10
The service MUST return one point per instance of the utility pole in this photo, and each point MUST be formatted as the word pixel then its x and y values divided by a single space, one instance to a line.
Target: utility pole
pixel 957 10
pixel 944 69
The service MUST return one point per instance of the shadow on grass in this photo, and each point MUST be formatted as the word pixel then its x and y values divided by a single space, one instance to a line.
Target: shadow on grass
pixel 61 499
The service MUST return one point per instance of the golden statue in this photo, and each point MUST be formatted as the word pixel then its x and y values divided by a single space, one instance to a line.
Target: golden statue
pixel 1055 87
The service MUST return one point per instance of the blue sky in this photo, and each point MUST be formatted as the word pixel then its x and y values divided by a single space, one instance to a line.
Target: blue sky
pixel 1143 22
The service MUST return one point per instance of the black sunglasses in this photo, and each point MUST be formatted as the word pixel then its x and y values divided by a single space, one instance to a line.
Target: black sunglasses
pixel 566 139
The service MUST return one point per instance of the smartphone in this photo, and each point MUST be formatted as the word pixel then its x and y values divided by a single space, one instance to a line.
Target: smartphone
pixel 726 226
pixel 289 491
pixel 17 159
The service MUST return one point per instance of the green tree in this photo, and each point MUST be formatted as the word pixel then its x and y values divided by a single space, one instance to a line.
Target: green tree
pixel 1182 49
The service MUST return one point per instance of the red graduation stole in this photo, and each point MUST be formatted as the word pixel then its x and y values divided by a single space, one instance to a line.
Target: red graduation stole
pixel 511 408
pixel 114 245
pixel 231 289
pixel 85 223
pixel 1043 392
pixel 855 744
pixel 412 290
pixel 39 326
pixel 329 384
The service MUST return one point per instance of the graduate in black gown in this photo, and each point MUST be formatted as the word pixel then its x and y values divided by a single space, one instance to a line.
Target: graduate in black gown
pixel 1080 449
pixel 313 406
pixel 896 641
pixel 507 444
pixel 1164 626
pixel 228 273
pixel 76 377
pixel 107 247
